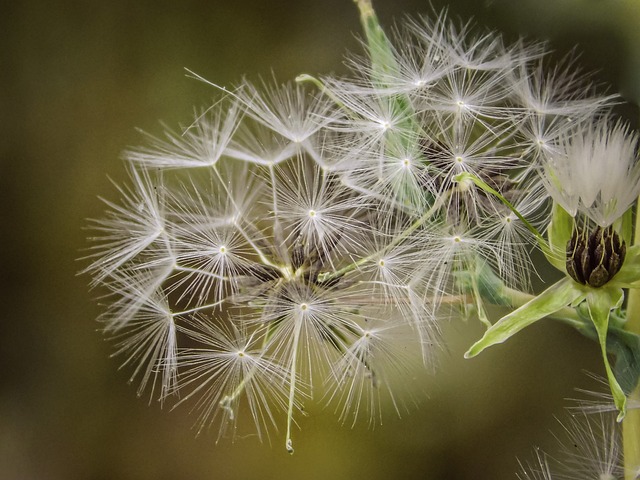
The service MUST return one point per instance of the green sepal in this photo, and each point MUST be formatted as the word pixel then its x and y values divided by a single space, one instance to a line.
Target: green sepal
pixel 629 274
pixel 559 233
pixel 554 298
pixel 600 302
pixel 624 227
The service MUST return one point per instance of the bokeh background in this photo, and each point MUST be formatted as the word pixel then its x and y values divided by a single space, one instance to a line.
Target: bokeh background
pixel 76 78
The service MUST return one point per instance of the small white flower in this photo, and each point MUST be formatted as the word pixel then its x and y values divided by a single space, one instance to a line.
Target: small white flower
pixel 397 178
pixel 132 289
pixel 454 147
pixel 453 250
pixel 374 114
pixel 420 54
pixel 466 48
pixel 279 123
pixel 512 238
pixel 471 94
pixel 595 172
pixel 255 143
pixel 555 99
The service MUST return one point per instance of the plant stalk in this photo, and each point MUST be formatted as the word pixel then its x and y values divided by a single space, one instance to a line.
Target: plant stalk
pixel 631 423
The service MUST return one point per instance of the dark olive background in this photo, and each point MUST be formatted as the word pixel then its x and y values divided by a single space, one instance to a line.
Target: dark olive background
pixel 76 78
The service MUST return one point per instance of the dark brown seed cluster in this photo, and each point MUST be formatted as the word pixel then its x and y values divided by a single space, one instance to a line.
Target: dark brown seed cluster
pixel 593 259
pixel 311 261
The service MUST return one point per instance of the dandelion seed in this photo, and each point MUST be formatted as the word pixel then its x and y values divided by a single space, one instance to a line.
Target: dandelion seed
pixel 144 330
pixel 288 110
pixel 131 228
pixel 591 450
pixel 228 370
pixel 202 144
pixel 366 371
pixel 601 401
pixel 562 90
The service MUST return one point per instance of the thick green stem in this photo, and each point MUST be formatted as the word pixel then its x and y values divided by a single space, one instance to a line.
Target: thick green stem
pixel 631 423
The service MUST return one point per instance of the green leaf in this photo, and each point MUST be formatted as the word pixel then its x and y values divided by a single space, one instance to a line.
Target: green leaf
pixel 383 61
pixel 624 345
pixel 548 302
pixel 384 67
pixel 481 281
pixel 626 348
pixel 490 286
pixel 559 234
pixel 629 274
pixel 600 302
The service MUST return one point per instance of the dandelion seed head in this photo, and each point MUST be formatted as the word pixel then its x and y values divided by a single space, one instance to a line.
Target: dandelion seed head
pixel 301 240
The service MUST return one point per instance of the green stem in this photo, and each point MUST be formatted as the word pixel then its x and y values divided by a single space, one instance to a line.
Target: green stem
pixel 631 423
pixel 306 78
pixel 461 177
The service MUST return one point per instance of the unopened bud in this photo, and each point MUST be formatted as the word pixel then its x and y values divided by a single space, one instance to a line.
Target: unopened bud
pixel 593 259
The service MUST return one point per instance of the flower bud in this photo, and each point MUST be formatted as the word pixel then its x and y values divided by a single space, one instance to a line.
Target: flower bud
pixel 595 258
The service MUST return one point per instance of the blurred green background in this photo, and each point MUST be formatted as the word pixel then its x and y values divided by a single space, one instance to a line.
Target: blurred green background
pixel 76 78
